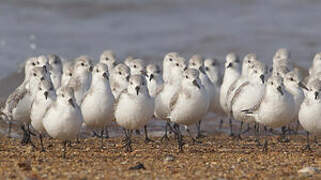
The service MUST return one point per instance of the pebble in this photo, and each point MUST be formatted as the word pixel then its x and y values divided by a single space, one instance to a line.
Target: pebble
pixel 169 158
pixel 309 171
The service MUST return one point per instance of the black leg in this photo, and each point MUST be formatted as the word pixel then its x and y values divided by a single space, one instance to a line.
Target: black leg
pixel 240 131
pixel 165 136
pixel 257 134
pixel 190 134
pixel 64 149
pixel 106 132
pixel 9 129
pixel 199 133
pixel 307 146
pixel 283 138
pixel 231 127
pixel 137 132
pixel 179 137
pixel 41 143
pixel 128 142
pixel 102 139
pixel 265 145
pixel 147 140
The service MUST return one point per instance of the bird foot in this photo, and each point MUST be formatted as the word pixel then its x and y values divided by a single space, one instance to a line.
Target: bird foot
pixel 200 136
pixel 307 148
pixel 283 139
pixel 165 138
pixel 148 140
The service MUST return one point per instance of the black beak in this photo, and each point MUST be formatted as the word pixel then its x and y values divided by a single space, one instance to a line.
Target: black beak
pixel 151 77
pixel 303 86
pixel 45 68
pixel 196 84
pixel 46 94
pixel 262 78
pixel 105 75
pixel 316 95
pixel 280 90
pixel 71 102
pixel 201 69
pixel 137 88
pixel 207 69
pixel 229 65
pixel 127 78
pixel 42 78
pixel 91 68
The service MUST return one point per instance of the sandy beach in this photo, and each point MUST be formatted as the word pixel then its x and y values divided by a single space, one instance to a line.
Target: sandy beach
pixel 217 157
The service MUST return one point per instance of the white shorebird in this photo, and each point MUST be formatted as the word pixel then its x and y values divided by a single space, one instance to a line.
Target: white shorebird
pixel 108 57
pixel 248 93
pixel 189 104
pixel 67 72
pixel 81 77
pixel 128 60
pixel 310 111
pixel 168 61
pixel 275 108
pixel 63 118
pixel 134 107
pixel 55 70
pixel 18 104
pixel 231 74
pixel 175 66
pixel 45 96
pixel 119 78
pixel 137 66
pixel 293 84
pixel 97 105
pixel 154 79
pixel 196 62
pixel 282 57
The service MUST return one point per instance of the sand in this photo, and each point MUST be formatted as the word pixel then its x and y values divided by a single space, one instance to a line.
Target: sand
pixel 217 157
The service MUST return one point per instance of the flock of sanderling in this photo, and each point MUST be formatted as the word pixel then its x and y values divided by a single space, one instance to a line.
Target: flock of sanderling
pixel 58 97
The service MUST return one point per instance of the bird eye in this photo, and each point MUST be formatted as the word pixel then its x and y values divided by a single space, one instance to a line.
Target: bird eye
pixel 40 89
pixel 70 74
pixel 135 66
pixel 131 83
pixel 97 70
pixel 186 77
pixel 38 62
pixel 249 61
pixel 34 74
pixel 63 95
pixel 33 64
pixel 291 79
pixel 272 83
pixel 119 73
pixel 82 64
pixel 255 72
pixel 177 64
pixel 193 64
pixel 170 59
pixel 106 58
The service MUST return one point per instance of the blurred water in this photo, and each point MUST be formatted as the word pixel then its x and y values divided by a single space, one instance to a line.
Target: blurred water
pixel 151 28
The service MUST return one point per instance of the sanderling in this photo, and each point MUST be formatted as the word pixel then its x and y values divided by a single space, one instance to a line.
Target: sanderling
pixel 137 66
pixel 68 67
pixel 196 62
pixel 128 60
pixel 282 57
pixel 275 108
pixel 81 77
pixel 167 61
pixel 108 57
pixel 134 107
pixel 189 104
pixel 310 111
pixel 119 78
pixel 45 96
pixel 63 118
pixel 248 94
pixel 97 106
pixel 18 104
pixel 154 79
pixel 55 70
pixel 175 66
pixel 231 74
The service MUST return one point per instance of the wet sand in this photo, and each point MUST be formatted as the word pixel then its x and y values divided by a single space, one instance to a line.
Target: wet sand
pixel 216 157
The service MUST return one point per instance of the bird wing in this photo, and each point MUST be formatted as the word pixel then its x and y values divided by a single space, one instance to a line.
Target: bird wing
pixel 173 101
pixel 14 98
pixel 125 91
pixel 159 89
pixel 236 95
